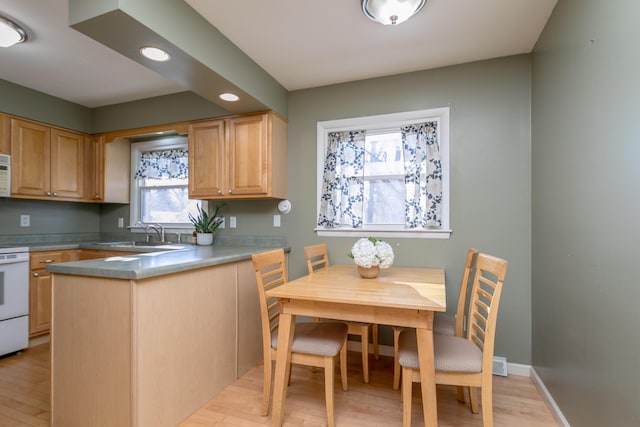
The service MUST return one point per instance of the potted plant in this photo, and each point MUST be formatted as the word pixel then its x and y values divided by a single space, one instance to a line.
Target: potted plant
pixel 205 225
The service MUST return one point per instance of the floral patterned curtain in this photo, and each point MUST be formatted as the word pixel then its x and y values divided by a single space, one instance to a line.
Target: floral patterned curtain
pixel 163 164
pixel 343 183
pixel 423 175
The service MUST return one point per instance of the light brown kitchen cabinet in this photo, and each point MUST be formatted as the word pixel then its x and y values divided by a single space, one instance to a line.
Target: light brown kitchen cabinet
pixel 5 134
pixel 47 162
pixel 238 157
pixel 107 174
pixel 40 282
pixel 40 291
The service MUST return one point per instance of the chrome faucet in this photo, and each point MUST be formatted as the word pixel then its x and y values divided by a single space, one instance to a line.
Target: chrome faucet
pixel 158 228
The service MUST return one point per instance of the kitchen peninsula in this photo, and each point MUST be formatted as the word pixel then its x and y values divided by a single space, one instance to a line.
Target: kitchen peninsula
pixel 147 339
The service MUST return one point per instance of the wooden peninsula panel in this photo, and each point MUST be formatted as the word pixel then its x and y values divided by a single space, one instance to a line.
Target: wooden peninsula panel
pixel 148 352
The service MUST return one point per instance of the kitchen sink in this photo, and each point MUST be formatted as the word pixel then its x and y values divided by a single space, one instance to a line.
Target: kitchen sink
pixel 131 244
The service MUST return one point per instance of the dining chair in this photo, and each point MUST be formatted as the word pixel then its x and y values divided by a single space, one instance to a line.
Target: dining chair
pixel 315 344
pixel 462 361
pixel 317 257
pixel 443 324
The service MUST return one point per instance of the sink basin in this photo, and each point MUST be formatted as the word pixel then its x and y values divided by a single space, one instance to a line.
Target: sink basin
pixel 141 244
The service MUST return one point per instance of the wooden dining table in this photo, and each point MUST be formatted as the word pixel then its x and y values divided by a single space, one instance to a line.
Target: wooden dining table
pixel 399 296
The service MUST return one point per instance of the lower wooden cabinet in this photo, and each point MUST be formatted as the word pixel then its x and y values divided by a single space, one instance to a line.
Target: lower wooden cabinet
pixel 40 283
pixel 40 291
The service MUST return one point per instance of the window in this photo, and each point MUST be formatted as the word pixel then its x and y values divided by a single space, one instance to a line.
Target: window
pixel 160 186
pixel 387 174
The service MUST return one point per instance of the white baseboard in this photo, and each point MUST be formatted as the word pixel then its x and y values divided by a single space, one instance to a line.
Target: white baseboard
pixel 548 398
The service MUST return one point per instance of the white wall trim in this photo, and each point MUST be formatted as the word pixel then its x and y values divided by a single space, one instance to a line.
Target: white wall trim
pixel 555 410
pixel 518 369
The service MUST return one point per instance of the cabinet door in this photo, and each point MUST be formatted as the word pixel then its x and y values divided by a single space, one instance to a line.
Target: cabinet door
pixel 67 164
pixel 30 158
pixel 248 155
pixel 39 302
pixel 94 177
pixel 116 171
pixel 207 159
pixel 5 134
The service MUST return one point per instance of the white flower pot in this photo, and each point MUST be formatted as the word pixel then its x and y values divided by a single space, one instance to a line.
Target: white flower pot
pixel 204 239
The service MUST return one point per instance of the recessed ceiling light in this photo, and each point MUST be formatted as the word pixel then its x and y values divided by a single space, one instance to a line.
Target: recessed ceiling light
pixel 154 53
pixel 229 97
pixel 10 33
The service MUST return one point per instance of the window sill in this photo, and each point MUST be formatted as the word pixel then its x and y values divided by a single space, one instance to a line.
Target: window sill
pixel 412 234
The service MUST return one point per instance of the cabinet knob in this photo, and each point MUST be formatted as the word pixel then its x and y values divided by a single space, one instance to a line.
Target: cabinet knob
pixel 46 261
pixel 55 194
pixel 219 192
pixel 48 193
pixel 230 191
pixel 36 274
pixel 97 196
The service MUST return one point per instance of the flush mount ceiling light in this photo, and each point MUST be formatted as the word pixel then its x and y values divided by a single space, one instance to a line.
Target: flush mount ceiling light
pixel 10 33
pixel 155 53
pixel 391 12
pixel 229 97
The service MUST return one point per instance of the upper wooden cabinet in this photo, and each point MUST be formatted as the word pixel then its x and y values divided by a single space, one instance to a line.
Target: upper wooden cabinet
pixel 47 162
pixel 238 157
pixel 5 134
pixel 107 174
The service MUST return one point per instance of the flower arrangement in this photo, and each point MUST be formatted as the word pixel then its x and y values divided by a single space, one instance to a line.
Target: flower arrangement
pixel 371 252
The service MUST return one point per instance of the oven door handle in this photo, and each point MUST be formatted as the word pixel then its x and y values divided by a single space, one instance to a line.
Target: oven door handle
pixel 14 260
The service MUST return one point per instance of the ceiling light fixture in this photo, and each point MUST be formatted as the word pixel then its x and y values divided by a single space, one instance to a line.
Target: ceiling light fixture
pixel 155 53
pixel 10 33
pixel 229 97
pixel 391 12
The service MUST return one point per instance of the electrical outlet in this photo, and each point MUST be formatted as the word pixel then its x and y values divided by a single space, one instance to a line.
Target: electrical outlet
pixel 232 222
pixel 25 220
pixel 276 220
pixel 120 222
pixel 223 222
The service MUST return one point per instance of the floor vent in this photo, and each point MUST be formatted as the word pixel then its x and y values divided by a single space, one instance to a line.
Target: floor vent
pixel 500 366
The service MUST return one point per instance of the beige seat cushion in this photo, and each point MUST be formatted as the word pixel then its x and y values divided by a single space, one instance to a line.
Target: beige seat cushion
pixel 451 353
pixel 444 324
pixel 321 338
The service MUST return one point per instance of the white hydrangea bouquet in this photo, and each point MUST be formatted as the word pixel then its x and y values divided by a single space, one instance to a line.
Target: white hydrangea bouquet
pixel 371 252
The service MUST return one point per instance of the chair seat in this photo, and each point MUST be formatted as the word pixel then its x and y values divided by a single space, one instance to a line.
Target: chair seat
pixel 319 338
pixel 444 324
pixel 452 354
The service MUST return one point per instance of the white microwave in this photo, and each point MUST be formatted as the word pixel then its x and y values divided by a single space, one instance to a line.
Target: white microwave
pixel 5 175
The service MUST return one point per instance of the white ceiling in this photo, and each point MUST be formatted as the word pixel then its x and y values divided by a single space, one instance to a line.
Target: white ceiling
pixel 302 44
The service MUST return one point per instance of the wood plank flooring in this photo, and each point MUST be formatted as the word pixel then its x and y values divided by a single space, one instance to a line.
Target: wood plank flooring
pixel 25 388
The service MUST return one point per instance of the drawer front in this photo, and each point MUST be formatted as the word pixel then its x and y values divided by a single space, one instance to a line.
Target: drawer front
pixel 42 259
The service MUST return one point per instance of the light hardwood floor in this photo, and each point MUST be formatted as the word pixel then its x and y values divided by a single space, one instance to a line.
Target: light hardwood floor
pixel 25 383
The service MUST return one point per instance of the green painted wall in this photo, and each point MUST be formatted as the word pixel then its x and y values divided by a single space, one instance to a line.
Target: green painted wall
pixel 48 217
pixel 30 104
pixel 178 107
pixel 585 132
pixel 490 175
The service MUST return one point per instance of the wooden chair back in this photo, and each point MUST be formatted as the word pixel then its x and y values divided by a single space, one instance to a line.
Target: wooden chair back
pixel 484 304
pixel 317 257
pixel 271 271
pixel 461 309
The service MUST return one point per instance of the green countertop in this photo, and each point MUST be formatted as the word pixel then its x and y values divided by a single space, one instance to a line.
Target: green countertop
pixel 150 262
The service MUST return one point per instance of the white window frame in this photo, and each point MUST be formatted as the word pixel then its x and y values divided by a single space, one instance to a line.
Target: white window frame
pixel 137 148
pixel 381 122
